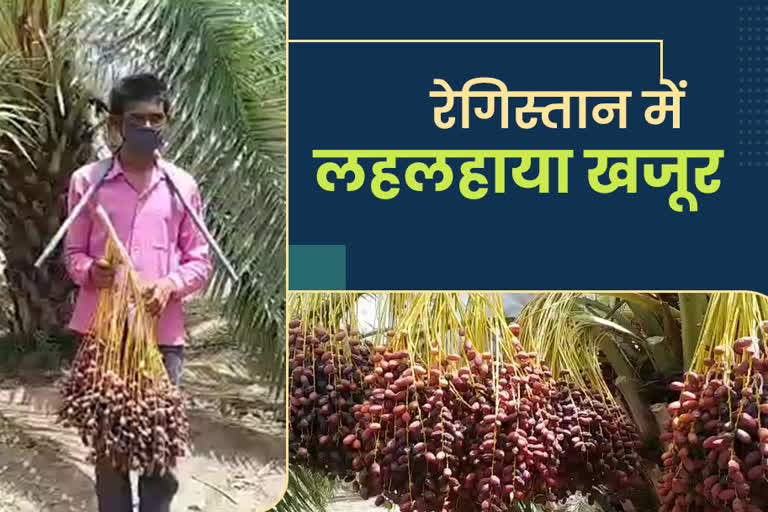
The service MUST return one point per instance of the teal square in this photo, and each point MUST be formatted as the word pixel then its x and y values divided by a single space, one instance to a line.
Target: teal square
pixel 317 267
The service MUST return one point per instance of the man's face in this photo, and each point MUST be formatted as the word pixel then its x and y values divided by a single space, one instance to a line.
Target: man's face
pixel 144 113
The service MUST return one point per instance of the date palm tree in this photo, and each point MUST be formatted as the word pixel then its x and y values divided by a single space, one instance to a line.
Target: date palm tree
pixel 44 135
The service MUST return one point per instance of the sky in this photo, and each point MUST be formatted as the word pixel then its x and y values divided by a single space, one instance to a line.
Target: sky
pixel 366 312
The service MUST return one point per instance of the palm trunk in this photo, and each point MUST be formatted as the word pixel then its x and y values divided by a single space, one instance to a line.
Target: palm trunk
pixel 627 384
pixel 41 299
pixel 693 307
pixel 32 206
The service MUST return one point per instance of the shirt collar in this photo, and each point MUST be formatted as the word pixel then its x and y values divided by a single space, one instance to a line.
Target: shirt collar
pixel 116 168
pixel 158 168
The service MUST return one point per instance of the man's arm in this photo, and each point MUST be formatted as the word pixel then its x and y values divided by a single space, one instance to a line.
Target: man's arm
pixel 76 257
pixel 195 262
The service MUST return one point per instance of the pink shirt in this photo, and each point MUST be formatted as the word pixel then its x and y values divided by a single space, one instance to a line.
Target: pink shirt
pixel 157 232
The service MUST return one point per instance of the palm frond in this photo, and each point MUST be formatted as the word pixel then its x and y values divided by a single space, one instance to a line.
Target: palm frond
pixel 593 320
pixel 729 316
pixel 19 112
pixel 45 134
pixel 647 301
pixel 307 490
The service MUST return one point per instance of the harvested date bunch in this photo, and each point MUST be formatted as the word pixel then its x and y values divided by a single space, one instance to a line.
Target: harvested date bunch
pixel 718 455
pixel 326 381
pixel 140 425
pixel 118 394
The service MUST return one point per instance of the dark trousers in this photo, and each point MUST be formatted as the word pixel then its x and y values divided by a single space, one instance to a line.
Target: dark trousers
pixel 113 487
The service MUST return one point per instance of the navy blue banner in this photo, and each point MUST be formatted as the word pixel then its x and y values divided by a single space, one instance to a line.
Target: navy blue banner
pixel 375 96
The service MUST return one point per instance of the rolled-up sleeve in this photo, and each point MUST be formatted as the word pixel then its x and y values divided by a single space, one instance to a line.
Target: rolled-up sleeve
pixel 195 261
pixel 76 257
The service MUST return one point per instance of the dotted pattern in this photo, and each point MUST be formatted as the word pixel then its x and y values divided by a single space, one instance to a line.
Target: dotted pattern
pixel 753 83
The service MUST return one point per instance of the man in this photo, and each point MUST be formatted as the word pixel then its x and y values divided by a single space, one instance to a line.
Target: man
pixel 169 253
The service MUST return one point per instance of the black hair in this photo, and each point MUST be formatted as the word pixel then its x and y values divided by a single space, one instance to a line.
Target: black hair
pixel 139 87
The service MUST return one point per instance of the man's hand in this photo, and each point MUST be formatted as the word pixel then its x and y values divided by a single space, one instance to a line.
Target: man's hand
pixel 157 293
pixel 102 274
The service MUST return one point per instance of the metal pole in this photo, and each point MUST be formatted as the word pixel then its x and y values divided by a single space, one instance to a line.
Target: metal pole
pixel 92 190
pixel 201 226
pixel 73 215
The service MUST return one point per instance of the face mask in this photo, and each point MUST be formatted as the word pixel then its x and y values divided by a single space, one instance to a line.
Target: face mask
pixel 140 139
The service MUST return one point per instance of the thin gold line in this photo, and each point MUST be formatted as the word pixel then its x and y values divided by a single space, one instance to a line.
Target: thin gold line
pixel 525 291
pixel 285 392
pixel 659 41
pixel 286 187
pixel 287 372
pixel 475 40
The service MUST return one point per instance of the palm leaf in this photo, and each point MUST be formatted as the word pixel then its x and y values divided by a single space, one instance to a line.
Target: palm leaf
pixel 587 319
pixel 647 301
pixel 307 490
pixel 45 134
pixel 729 316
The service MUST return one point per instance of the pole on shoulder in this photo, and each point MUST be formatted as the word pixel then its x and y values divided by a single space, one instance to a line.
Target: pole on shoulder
pixel 73 215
